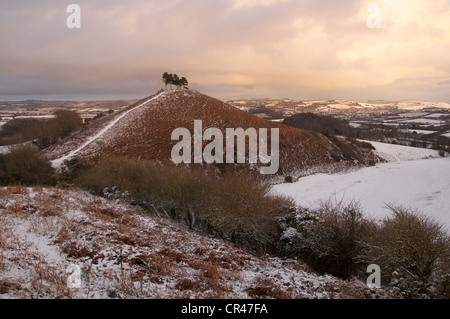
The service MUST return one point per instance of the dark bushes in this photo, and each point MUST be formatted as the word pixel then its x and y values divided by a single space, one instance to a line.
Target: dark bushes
pixel 20 130
pixel 413 253
pixel 411 250
pixel 328 239
pixel 24 165
pixel 62 125
pixel 231 207
pixel 323 124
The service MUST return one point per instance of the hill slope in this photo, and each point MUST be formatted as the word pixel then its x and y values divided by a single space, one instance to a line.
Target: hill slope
pixel 144 131
pixel 123 252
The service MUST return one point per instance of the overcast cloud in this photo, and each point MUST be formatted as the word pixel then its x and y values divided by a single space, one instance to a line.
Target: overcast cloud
pixel 305 49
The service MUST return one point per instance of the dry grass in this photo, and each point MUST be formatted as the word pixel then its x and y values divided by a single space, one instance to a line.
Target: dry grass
pixel 43 280
pixel 266 288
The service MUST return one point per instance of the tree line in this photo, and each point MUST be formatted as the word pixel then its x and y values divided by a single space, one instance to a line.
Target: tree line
pixel 42 133
pixel 173 79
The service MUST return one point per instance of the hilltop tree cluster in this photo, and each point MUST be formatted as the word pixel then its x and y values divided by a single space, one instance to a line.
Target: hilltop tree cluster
pixel 174 79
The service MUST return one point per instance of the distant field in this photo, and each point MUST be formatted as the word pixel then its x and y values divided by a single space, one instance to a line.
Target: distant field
pixel 45 109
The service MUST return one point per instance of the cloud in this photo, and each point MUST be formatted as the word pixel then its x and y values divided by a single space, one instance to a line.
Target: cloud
pixel 225 46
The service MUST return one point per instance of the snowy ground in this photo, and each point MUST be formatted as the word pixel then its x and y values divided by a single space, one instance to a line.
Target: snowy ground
pixel 400 153
pixel 122 251
pixel 4 149
pixel 413 177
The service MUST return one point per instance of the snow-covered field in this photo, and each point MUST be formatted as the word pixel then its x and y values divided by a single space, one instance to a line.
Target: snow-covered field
pixel 423 121
pixel 421 131
pixel 419 105
pixel 413 177
pixel 436 115
pixel 400 153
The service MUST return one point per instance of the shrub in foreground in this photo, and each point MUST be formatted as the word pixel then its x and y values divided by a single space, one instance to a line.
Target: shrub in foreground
pixel 328 239
pixel 232 207
pixel 413 253
pixel 411 249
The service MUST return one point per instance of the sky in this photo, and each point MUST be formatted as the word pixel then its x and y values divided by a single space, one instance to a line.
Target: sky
pixel 301 49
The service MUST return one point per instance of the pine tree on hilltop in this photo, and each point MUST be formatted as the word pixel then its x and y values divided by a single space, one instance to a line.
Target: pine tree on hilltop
pixel 184 82
pixel 167 79
pixel 164 79
pixel 174 79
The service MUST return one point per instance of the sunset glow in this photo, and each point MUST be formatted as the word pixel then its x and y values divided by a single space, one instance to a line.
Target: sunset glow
pixel 228 48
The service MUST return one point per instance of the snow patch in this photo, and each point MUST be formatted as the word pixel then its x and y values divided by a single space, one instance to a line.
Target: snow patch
pixel 399 153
